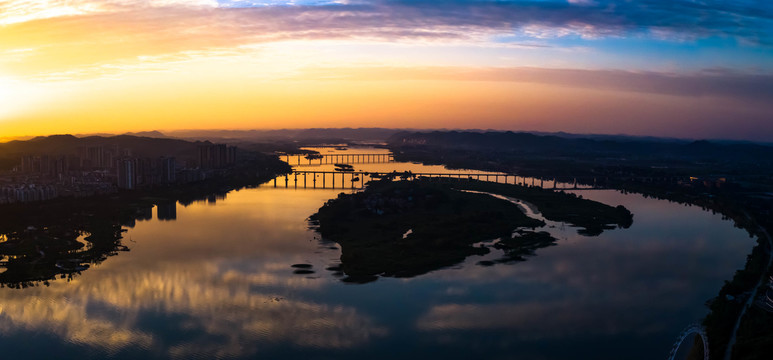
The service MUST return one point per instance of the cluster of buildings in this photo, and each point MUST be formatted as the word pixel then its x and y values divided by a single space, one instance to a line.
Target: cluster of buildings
pixel 132 173
pixel 27 193
pixel 106 169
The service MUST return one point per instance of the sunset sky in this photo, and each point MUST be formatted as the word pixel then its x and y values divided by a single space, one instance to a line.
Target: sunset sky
pixel 677 68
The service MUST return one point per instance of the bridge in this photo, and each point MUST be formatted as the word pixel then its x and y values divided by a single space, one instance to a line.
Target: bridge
pixel 692 329
pixel 341 158
pixel 357 179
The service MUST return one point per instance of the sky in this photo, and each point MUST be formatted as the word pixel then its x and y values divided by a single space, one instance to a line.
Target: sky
pixel 674 68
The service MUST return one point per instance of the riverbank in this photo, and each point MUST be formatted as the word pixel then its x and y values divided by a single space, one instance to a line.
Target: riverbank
pixel 736 185
pixel 61 237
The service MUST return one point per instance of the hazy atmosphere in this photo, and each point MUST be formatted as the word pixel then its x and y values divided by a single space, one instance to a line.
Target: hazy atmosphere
pixel 386 179
pixel 689 69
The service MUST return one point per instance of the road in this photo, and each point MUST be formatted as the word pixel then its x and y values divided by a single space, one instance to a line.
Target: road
pixel 731 343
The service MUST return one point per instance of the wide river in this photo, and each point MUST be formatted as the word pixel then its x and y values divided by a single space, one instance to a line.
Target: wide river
pixel 214 280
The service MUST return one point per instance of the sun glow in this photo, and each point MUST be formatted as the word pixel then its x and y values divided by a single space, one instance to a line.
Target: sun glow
pixel 6 96
pixel 15 96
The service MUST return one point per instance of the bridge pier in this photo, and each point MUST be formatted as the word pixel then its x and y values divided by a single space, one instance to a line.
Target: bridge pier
pixel 357 179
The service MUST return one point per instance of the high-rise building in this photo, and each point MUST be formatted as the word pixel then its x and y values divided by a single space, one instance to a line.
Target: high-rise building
pixel 216 156
pixel 144 172
pixel 167 168
pixel 231 156
pixel 127 173
pixel 96 157
pixel 205 156
pixel 60 167
pixel 30 164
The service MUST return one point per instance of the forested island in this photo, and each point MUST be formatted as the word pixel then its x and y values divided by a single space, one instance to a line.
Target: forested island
pixel 408 228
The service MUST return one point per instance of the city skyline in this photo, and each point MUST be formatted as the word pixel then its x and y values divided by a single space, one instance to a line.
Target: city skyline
pixel 686 69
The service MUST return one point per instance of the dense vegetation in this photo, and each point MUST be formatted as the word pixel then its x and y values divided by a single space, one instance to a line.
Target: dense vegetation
pixel 593 217
pixel 408 228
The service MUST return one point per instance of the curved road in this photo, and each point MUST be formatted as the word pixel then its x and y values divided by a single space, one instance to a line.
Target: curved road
pixel 731 343
pixel 692 329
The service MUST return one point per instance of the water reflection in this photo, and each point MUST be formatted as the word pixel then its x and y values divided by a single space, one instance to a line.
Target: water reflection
pixel 215 307
pixel 214 279
pixel 637 287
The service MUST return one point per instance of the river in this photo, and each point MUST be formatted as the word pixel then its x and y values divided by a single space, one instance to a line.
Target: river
pixel 214 280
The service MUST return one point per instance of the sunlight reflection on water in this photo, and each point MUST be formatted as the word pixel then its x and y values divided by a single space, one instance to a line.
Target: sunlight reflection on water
pixel 217 282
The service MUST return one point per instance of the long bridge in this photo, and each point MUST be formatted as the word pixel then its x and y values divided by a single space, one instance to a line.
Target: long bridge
pixel 347 158
pixel 357 179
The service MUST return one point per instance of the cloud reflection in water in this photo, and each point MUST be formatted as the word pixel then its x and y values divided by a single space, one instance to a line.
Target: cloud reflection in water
pixel 230 318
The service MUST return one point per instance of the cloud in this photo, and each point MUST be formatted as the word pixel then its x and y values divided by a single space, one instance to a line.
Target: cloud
pixel 706 83
pixel 87 31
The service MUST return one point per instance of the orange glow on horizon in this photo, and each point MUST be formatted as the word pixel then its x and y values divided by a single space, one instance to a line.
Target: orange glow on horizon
pixel 297 103
pixel 117 66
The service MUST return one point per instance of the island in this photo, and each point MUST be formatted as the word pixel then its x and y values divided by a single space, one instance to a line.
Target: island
pixel 411 227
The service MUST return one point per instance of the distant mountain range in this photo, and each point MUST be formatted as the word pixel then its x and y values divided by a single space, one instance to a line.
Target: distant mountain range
pixel 304 135
pixel 183 143
pixel 69 144
pixel 576 146
pixel 363 135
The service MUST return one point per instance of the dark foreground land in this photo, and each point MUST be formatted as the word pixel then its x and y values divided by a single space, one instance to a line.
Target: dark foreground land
pixel 734 179
pixel 408 228
pixel 60 238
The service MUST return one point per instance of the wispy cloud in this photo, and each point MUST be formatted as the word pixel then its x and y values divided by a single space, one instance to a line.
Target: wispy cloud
pixel 88 31
pixel 706 83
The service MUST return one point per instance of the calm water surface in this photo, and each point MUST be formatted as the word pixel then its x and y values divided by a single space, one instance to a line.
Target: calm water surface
pixel 217 282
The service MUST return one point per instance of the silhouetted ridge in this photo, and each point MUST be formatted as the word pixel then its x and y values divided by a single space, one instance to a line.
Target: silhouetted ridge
pixel 527 143
pixel 68 144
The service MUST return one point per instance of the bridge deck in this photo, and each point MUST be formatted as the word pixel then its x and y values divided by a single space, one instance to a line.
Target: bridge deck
pixel 402 173
pixel 352 158
pixel 354 177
